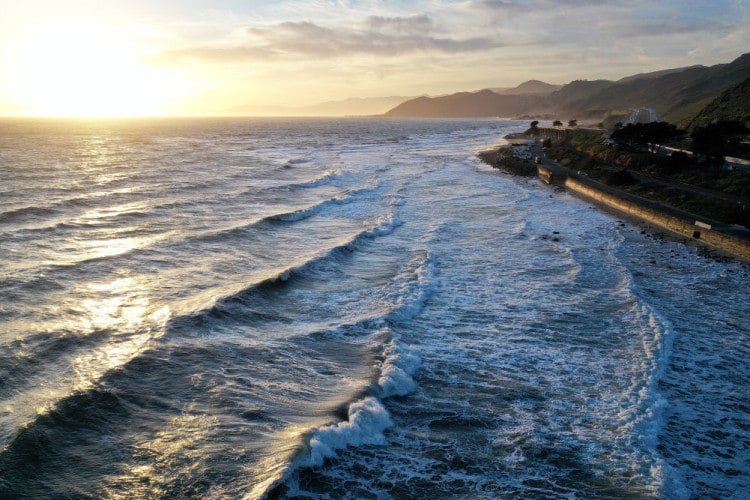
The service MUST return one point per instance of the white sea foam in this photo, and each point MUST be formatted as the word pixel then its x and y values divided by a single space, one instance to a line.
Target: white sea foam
pixel 367 421
pixel 396 369
pixel 415 284
pixel 368 418
pixel 326 177
pixel 651 403
pixel 385 225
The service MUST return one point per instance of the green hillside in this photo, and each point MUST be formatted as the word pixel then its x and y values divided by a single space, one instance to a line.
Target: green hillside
pixel 732 105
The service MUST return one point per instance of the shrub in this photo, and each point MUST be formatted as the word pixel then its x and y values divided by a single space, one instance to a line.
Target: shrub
pixel 621 178
pixel 674 163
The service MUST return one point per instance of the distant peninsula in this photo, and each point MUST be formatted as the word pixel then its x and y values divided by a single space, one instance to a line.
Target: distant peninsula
pixel 354 106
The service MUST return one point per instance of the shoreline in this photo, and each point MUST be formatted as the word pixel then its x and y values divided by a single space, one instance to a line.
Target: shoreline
pixel 719 241
pixel 502 161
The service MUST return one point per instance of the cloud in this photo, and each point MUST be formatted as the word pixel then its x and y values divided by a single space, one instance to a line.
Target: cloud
pixel 499 5
pixel 526 5
pixel 211 54
pixel 436 46
pixel 418 24
pixel 376 36
pixel 381 36
pixel 509 7
pixel 661 28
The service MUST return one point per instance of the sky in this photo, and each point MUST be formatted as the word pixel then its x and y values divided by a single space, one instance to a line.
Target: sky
pixel 196 57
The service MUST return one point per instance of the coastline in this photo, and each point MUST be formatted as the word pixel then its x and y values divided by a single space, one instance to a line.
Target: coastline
pixel 501 160
pixel 507 157
pixel 717 240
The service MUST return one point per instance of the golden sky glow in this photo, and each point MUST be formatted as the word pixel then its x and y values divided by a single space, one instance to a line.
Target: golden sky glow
pixel 138 57
pixel 78 69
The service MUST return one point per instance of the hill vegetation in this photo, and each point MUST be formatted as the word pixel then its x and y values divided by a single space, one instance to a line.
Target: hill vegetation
pixel 531 87
pixel 733 104
pixel 676 95
pixel 696 184
pixel 482 104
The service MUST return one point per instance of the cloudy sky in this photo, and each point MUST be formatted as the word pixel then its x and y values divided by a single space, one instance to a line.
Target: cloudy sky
pixel 206 57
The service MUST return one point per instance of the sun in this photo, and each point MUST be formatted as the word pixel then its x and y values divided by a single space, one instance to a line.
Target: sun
pixel 85 70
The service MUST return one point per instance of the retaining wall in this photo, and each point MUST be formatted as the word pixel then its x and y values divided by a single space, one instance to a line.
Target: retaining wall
pixel 651 213
pixel 555 134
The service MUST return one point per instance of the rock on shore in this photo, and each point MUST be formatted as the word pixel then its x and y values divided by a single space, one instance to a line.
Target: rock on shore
pixel 502 159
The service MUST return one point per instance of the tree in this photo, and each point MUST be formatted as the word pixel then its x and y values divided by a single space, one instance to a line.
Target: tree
pixel 572 123
pixel 557 123
pixel 712 141
pixel 674 163
pixel 646 134
pixel 654 133
pixel 629 136
pixel 533 130
pixel 622 177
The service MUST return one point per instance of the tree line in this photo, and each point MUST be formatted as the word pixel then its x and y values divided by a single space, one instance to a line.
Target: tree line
pixel 712 142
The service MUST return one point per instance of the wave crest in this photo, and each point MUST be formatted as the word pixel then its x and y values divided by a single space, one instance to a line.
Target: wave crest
pixel 367 421
pixel 399 365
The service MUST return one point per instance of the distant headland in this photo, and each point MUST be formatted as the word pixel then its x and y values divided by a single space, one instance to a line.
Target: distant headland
pixel 675 95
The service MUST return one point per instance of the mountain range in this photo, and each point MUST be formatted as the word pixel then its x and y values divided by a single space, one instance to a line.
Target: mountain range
pixel 532 87
pixel 677 95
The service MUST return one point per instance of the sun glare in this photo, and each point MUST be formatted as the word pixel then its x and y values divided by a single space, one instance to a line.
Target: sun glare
pixel 76 70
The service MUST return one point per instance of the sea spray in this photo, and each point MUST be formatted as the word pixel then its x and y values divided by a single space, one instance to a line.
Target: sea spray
pixel 414 286
pixel 396 370
pixel 367 418
pixel 367 421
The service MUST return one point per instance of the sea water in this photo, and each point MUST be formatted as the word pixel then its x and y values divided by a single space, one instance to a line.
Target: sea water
pixel 351 308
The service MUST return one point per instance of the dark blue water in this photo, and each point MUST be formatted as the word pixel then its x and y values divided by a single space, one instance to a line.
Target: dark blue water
pixel 355 308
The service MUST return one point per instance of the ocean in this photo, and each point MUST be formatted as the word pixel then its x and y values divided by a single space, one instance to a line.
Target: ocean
pixel 348 308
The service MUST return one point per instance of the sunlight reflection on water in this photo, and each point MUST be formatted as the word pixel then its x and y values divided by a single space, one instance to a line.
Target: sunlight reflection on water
pixel 123 308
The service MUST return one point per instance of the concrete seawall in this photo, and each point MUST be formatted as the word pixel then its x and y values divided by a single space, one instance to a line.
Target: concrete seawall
pixel 549 176
pixel 731 240
pixel 672 220
pixel 561 134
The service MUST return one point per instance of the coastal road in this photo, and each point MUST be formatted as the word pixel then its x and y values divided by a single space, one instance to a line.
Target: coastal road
pixel 560 172
pixel 642 115
pixel 647 179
